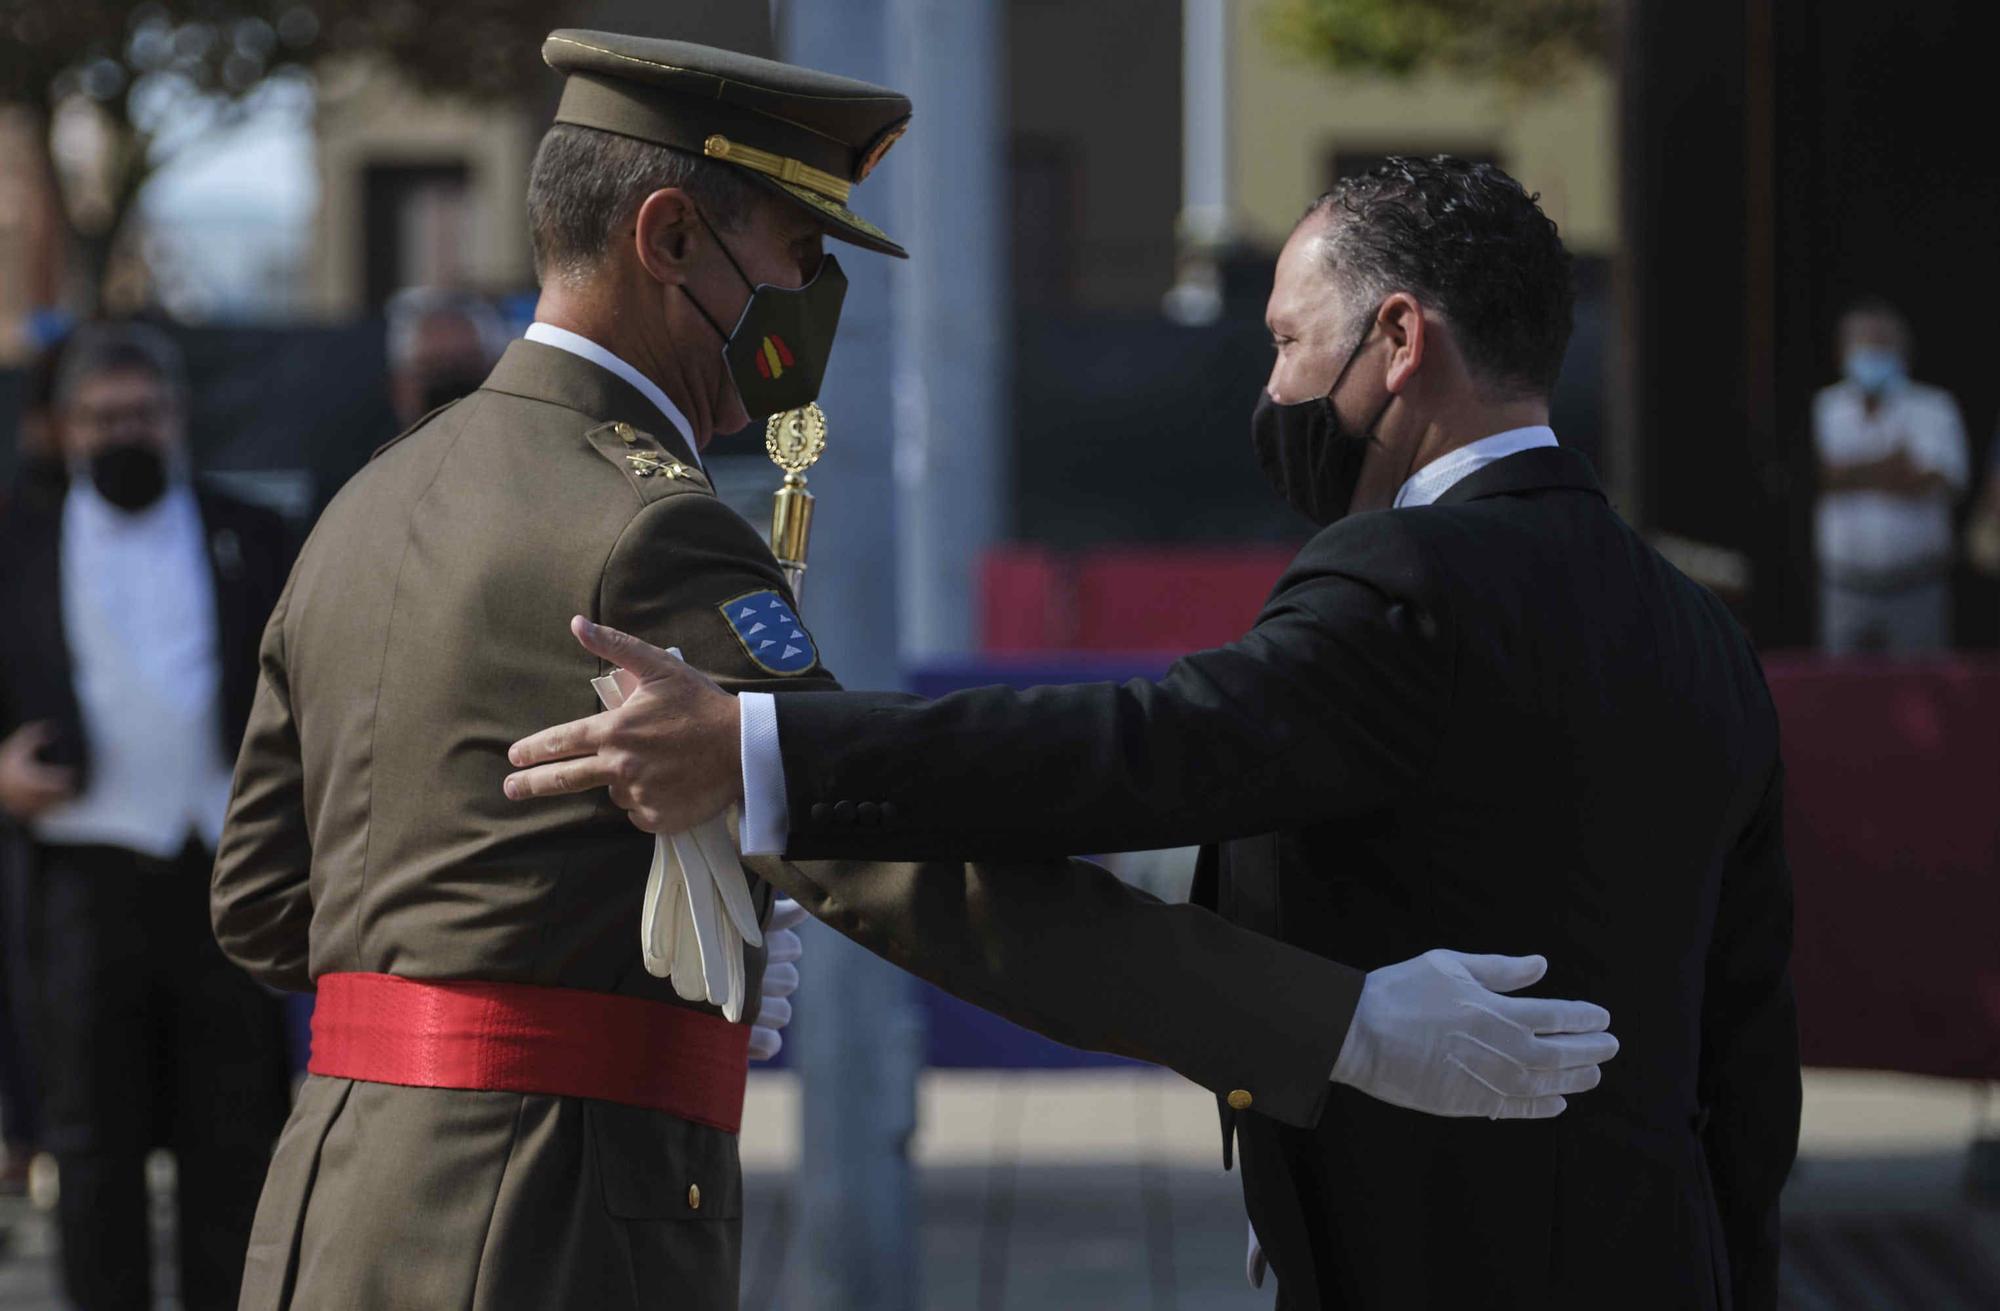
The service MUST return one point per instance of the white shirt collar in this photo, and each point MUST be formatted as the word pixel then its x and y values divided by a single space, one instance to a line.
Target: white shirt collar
pixel 1442 474
pixel 548 334
pixel 87 511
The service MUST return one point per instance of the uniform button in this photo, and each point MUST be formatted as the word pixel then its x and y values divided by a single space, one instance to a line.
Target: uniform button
pixel 1240 1100
pixel 869 814
pixel 626 433
pixel 820 811
pixel 843 813
pixel 694 1197
pixel 888 812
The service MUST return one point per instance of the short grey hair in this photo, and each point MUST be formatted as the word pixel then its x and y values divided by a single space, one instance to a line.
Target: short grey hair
pixel 409 309
pixel 586 182
pixel 100 348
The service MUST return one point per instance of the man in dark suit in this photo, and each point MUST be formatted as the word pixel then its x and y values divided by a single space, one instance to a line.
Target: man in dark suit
pixel 134 604
pixel 1477 709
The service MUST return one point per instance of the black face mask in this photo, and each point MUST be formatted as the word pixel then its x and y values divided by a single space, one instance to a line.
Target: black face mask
pixel 1310 458
pixel 130 475
pixel 778 351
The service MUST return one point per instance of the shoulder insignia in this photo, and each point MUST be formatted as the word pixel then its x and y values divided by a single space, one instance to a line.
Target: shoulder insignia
pixel 654 470
pixel 650 466
pixel 771 633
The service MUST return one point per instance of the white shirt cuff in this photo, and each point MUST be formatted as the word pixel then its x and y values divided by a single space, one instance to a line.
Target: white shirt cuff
pixel 767 820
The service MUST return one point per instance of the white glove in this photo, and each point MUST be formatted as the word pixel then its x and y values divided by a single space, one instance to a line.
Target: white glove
pixel 697 913
pixel 1433 1034
pixel 782 949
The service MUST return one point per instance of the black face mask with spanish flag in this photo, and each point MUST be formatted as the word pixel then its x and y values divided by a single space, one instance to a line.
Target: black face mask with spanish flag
pixel 778 350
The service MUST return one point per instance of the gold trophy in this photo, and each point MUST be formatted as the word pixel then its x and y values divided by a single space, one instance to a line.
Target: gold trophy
pixel 794 439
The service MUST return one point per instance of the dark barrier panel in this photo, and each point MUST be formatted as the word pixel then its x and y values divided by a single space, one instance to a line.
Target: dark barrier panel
pixel 1894 837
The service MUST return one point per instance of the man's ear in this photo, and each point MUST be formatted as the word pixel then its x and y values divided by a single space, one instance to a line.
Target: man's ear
pixel 663 234
pixel 1402 322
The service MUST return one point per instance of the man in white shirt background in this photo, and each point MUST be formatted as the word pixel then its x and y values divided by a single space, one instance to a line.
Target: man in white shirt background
pixel 1893 460
pixel 132 609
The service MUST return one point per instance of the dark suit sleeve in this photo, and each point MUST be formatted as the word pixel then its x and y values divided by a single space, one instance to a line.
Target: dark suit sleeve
pixel 1069 950
pixel 1064 948
pixel 1334 704
pixel 1750 1051
pixel 260 899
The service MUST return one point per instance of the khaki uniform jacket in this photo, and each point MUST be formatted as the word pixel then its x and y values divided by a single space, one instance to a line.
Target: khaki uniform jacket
pixel 424 629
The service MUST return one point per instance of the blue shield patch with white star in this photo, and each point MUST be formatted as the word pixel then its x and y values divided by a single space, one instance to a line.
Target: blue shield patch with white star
pixel 772 635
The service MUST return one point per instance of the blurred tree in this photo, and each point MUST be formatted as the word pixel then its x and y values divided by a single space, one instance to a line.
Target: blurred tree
pixel 1518 41
pixel 124 86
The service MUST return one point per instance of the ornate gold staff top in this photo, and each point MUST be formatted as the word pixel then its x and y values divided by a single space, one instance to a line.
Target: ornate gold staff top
pixel 794 439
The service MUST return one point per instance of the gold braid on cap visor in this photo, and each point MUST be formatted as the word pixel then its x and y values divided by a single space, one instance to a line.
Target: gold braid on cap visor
pixel 780 167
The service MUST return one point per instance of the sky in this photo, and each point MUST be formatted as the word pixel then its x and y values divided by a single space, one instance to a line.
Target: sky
pixel 231 216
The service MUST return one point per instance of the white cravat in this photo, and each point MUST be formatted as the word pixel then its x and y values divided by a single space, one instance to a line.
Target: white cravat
pixel 766 818
pixel 548 334
pixel 138 605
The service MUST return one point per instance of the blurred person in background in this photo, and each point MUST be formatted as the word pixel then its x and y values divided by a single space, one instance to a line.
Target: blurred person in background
pixel 1892 461
pixel 442 344
pixel 127 664
pixel 39 480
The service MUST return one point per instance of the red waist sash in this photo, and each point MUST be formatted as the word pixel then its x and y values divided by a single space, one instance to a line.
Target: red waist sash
pixel 519 1037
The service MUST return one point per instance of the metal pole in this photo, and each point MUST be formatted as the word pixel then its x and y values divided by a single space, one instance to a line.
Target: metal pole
pixel 1205 228
pixel 954 312
pixel 858 1039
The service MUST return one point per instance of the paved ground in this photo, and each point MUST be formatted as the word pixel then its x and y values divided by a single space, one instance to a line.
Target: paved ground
pixel 1075 1190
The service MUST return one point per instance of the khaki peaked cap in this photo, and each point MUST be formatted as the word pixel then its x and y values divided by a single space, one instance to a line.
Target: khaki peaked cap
pixel 805 135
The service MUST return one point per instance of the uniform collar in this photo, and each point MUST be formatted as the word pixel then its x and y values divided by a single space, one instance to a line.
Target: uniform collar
pixel 584 382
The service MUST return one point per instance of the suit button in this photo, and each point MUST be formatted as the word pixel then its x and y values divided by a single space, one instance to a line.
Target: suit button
pixel 888 813
pixel 869 814
pixel 694 1197
pixel 820 811
pixel 843 813
pixel 1240 1100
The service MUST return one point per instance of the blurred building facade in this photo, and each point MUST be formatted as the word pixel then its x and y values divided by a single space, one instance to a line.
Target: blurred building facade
pixel 415 190
pixel 1096 150
pixel 31 251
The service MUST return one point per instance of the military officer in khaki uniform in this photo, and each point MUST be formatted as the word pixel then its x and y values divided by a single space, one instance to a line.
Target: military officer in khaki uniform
pixel 504 1108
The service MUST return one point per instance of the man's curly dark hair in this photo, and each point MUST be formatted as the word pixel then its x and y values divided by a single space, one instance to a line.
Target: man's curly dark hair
pixel 1468 242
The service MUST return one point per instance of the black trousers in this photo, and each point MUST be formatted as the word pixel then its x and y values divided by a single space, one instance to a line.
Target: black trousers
pixel 149 1038
pixel 20 1090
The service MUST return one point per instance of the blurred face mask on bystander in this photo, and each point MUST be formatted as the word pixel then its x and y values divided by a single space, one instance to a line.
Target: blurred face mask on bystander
pixel 121 434
pixel 1874 369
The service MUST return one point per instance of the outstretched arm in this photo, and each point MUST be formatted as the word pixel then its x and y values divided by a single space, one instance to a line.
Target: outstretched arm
pixel 1334 704
pixel 1066 949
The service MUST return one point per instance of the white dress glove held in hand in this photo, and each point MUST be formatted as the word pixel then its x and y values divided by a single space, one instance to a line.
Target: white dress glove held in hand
pixel 1434 1034
pixel 782 949
pixel 697 913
